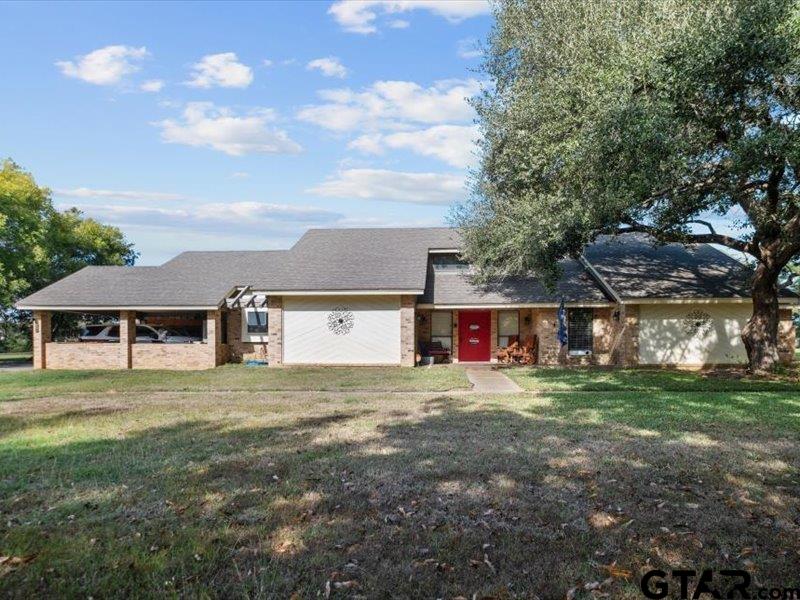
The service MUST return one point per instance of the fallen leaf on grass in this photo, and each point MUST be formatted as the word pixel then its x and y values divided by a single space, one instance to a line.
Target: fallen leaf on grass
pixel 16 561
pixel 346 585
pixel 618 573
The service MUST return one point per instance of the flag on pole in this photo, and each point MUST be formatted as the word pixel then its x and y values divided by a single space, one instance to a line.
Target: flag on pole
pixel 562 324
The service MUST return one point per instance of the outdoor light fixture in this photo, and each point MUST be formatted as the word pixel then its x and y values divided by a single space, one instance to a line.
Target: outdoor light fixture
pixel 616 315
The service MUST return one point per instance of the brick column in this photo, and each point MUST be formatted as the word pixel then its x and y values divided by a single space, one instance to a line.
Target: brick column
pixel 275 331
pixel 127 337
pixel 42 335
pixel 625 351
pixel 214 337
pixel 408 353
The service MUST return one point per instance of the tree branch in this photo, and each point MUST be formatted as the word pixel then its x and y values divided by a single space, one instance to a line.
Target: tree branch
pixel 692 238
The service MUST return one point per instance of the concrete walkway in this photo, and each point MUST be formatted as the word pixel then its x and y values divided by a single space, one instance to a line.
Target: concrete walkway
pixel 487 380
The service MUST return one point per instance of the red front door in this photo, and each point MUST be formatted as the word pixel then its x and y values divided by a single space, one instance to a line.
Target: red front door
pixel 474 331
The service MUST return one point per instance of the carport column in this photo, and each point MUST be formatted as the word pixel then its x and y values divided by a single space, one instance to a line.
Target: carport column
pixel 214 337
pixel 41 336
pixel 407 330
pixel 127 336
pixel 275 331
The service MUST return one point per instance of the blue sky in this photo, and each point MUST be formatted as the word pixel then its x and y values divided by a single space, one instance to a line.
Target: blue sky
pixel 238 126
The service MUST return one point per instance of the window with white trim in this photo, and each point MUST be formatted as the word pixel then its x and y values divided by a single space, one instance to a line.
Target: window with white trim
pixel 507 327
pixel 579 331
pixel 442 328
pixel 255 324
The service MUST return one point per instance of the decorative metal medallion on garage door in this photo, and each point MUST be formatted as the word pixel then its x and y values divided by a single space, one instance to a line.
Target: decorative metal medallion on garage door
pixel 474 335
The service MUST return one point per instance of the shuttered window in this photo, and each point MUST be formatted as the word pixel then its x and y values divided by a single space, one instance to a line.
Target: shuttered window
pixel 579 330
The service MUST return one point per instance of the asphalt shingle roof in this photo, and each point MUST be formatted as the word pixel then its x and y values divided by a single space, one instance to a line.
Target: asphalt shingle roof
pixel 396 260
pixel 575 285
pixel 635 268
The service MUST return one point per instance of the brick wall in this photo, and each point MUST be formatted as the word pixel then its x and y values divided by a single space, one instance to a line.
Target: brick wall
pixel 238 350
pixel 173 356
pixel 77 355
pixel 544 324
pixel 408 346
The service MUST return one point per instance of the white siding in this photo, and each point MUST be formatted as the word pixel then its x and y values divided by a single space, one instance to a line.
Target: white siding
pixel 663 338
pixel 373 339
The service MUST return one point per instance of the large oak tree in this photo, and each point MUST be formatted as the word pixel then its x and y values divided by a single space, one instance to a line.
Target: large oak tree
pixel 641 116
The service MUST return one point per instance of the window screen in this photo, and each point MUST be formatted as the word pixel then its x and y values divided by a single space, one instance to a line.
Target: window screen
pixel 579 330
pixel 507 327
pixel 257 321
pixel 223 323
pixel 442 328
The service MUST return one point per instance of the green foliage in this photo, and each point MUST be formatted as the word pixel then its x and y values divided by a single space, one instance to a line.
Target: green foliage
pixel 640 116
pixel 39 245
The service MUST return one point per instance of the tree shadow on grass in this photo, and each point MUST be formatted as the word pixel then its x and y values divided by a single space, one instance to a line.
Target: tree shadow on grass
pixel 453 498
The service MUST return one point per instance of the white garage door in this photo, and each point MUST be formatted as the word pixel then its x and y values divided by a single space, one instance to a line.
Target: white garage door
pixel 341 330
pixel 692 334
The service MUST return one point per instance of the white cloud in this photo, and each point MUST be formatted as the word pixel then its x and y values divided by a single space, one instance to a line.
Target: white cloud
pixel 330 66
pixel 392 105
pixel 84 192
pixel 216 216
pixel 152 85
pixel 104 66
pixel 240 175
pixel 359 16
pixel 222 70
pixel 267 62
pixel 398 186
pixel 453 144
pixel 206 125
pixel 468 48
pixel 399 24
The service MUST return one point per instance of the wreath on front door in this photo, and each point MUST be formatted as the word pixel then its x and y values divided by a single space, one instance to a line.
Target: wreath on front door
pixel 341 320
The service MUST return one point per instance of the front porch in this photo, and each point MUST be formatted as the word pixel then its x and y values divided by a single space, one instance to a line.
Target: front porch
pixel 601 335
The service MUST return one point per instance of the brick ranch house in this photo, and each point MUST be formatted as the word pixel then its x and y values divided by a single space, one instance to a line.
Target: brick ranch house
pixel 381 296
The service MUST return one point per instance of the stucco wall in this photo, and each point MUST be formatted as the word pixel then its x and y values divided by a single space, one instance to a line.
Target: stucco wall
pixel 692 334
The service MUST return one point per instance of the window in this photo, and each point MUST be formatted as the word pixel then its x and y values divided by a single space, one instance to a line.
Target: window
pixel 507 327
pixel 256 320
pixel 442 328
pixel 223 323
pixel 579 330
pixel 449 263
pixel 254 325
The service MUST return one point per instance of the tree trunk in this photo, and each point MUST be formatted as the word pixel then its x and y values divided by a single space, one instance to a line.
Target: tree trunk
pixel 760 335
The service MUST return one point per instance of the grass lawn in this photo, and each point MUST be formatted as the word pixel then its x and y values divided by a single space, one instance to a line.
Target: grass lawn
pixel 15 357
pixel 281 494
pixel 30 384
pixel 548 379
